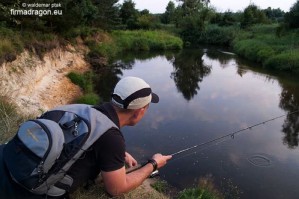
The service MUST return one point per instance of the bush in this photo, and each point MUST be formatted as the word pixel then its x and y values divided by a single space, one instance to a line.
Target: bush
pixel 213 34
pixel 82 80
pixel 85 81
pixel 89 98
pixel 288 61
pixel 254 50
pixel 219 35
pixel 195 193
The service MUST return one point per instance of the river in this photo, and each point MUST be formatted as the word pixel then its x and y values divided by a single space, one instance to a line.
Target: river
pixel 205 94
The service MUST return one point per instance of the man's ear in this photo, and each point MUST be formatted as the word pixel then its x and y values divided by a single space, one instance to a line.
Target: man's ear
pixel 136 113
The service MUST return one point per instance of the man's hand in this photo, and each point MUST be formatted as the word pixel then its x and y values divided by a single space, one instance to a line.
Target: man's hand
pixel 130 161
pixel 118 182
pixel 161 159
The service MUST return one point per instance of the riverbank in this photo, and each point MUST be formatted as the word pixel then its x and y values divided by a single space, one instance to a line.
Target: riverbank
pixel 33 86
pixel 270 46
pixel 36 85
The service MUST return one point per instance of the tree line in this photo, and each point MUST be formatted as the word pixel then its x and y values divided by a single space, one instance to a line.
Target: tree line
pixel 189 17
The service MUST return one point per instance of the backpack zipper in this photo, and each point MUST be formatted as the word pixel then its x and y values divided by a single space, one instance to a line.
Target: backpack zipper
pixel 40 167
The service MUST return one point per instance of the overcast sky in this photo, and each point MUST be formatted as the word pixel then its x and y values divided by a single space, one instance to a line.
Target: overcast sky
pixel 158 6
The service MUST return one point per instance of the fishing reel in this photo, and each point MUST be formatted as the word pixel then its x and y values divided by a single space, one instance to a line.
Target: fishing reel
pixel 154 174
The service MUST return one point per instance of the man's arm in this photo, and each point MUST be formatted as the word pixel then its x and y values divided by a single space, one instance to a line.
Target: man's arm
pixel 118 182
pixel 130 161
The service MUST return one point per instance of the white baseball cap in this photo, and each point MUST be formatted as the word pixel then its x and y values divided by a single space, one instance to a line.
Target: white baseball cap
pixel 133 93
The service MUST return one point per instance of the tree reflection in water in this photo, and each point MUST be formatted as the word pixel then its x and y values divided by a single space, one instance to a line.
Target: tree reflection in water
pixel 189 70
pixel 289 101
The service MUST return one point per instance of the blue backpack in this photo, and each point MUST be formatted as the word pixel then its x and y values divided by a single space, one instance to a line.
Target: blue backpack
pixel 44 149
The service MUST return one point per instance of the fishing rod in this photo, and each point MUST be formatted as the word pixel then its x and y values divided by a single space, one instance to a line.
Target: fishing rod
pixel 232 134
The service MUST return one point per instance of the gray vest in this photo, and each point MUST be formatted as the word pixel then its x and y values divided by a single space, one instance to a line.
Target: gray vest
pixel 99 124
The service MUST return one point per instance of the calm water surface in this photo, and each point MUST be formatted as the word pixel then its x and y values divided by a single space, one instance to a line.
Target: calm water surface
pixel 207 93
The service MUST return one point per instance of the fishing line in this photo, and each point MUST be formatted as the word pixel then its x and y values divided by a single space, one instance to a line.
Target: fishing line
pixel 220 139
pixel 197 151
pixel 232 134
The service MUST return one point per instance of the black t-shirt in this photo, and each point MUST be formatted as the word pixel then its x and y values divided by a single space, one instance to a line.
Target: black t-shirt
pixel 106 154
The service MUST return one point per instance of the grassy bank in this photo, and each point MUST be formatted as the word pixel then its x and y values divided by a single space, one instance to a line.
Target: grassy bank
pixel 268 45
pixel 122 41
pixel 271 45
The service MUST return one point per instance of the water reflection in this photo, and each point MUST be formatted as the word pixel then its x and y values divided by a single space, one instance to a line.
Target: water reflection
pixel 189 70
pixel 223 57
pixel 232 95
pixel 289 101
pixel 105 80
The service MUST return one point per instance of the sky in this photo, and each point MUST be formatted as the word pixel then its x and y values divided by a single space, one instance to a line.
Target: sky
pixel 158 6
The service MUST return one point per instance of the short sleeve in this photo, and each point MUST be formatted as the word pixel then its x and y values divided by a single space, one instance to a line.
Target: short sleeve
pixel 110 150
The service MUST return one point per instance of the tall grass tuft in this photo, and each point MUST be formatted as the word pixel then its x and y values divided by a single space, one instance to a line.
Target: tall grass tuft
pixel 141 40
pixel 85 81
pixel 288 61
pixel 205 190
pixel 254 50
pixel 10 119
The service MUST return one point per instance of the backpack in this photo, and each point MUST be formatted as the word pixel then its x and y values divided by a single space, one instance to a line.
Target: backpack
pixel 43 149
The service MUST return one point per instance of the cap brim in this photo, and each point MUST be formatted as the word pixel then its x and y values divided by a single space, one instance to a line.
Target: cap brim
pixel 155 98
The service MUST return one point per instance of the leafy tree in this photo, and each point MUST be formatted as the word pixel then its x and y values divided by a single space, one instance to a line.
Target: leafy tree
pixel 74 13
pixel 292 17
pixel 129 14
pixel 224 19
pixel 274 14
pixel 108 13
pixel 192 17
pixel 146 21
pixel 252 15
pixel 100 13
pixel 191 7
pixel 169 14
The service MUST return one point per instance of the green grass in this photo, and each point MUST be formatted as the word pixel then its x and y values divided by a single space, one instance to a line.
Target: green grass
pixel 9 119
pixel 13 42
pixel 254 50
pixel 160 186
pixel 205 190
pixel 89 98
pixel 85 82
pixel 146 40
pixel 261 44
pixel 287 61
pixel 217 35
pixel 197 193
pixel 140 40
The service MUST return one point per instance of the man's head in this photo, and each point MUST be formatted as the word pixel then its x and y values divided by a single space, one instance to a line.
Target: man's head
pixel 133 95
